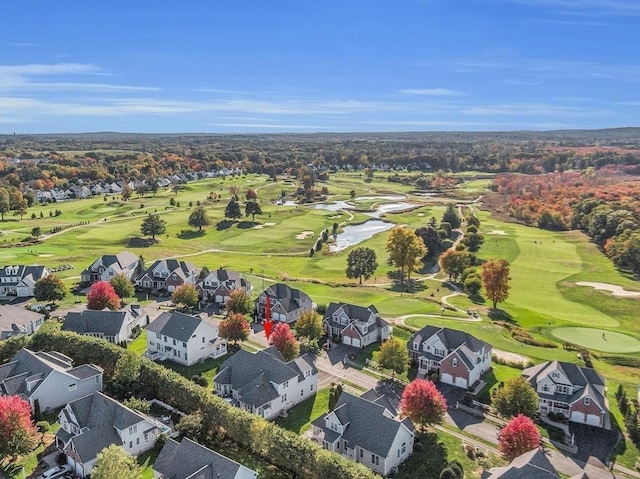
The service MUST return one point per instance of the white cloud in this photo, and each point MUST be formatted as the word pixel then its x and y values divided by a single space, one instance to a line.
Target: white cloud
pixel 430 92
pixel 588 7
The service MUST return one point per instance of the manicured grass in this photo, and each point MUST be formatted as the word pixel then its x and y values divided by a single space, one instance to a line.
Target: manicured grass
pixel 598 339
pixel 299 418
pixel 498 374
pixel 146 460
pixel 207 368
pixel 138 345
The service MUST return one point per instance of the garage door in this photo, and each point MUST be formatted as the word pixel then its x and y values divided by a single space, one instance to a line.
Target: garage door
pixel 446 378
pixel 577 416
pixel 219 299
pixel 346 340
pixel 593 419
pixel 461 382
pixel 355 342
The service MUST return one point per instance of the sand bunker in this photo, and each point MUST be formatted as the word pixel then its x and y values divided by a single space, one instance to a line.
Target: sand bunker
pixel 304 235
pixel 420 214
pixel 613 288
pixel 496 232
pixel 45 255
pixel 510 357
pixel 259 227
pixel 269 224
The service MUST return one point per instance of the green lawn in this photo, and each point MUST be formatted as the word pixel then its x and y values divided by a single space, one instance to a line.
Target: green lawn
pixel 598 339
pixel 299 418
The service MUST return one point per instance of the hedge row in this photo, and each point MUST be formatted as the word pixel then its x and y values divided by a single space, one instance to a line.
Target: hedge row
pixel 305 459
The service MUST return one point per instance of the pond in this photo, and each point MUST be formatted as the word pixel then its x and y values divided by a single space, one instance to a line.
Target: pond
pixel 335 206
pixel 354 234
pixel 392 207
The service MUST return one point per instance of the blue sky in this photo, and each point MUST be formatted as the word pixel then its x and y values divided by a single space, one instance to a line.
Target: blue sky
pixel 318 66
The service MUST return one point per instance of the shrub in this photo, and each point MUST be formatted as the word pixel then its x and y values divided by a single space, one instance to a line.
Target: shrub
pixel 448 473
pixel 43 426
pixel 200 380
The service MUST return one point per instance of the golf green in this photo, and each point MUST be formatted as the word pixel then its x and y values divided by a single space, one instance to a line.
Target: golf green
pixel 598 339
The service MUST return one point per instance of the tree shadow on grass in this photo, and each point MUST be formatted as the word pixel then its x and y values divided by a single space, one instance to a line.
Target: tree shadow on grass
pixel 137 242
pixel 428 459
pixel 477 299
pixel 409 286
pixel 224 225
pixel 496 314
pixel 490 380
pixel 190 234
pixel 244 225
pixel 297 417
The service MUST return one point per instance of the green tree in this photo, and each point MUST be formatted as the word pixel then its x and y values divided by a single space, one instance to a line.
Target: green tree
pixel 235 328
pixel 473 241
pixel 495 277
pixel 122 286
pixel 450 216
pixel 114 462
pixel 252 208
pixel 126 375
pixel 431 239
pixel 50 288
pixel 516 397
pixel 405 251
pixel 454 263
pixel 153 225
pixel 239 302
pixel 185 294
pixel 361 263
pixel 137 404
pixel 232 210
pixel 36 232
pixel 393 355
pixel 309 325
pixel 191 426
pixel 5 205
pixel 199 218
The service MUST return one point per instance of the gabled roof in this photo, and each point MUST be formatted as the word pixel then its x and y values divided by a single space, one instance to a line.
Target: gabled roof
pixel 120 261
pixel 582 379
pixel 530 465
pixel 14 319
pixel 176 325
pixel 450 338
pixel 190 460
pixel 253 375
pixel 367 425
pixel 21 271
pixel 181 268
pixel 288 297
pixel 108 323
pixel 356 314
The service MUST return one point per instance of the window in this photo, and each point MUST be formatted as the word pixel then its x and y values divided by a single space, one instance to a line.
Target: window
pixel 403 449
pixel 152 344
pixel 284 398
pixel 165 339
pixel 203 339
pixel 562 389
pixel 73 387
pixel 302 393
pixel 174 342
pixel 545 388
pixel 184 345
pixel 286 384
pixel 158 336
pixel 587 400
pixel 454 362
pixel 137 441
pixel 361 452
pixel 312 387
pixel 555 374
pixel 375 460
pixel 97 379
pixel 130 444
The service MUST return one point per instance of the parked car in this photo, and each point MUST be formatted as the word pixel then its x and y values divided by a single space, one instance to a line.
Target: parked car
pixel 55 472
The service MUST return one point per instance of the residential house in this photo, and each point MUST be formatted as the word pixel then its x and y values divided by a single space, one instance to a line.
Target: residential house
pixel 167 275
pixel 355 325
pixel 47 380
pixel 287 304
pixel 91 423
pixel 183 338
pixel 264 383
pixel 536 464
pixel 460 358
pixel 216 287
pixel 113 326
pixel 365 432
pixel 20 280
pixel 576 392
pixel 16 321
pixel 190 460
pixel 106 267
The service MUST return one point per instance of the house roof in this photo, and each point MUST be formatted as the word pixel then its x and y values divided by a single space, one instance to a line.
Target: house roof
pixel 34 272
pixel 109 323
pixel 530 465
pixel 288 297
pixel 584 381
pixel 253 375
pixel 35 367
pixel 367 425
pixel 181 268
pixel 466 346
pixel 189 460
pixel 356 314
pixel 120 261
pixel 175 325
pixel 14 319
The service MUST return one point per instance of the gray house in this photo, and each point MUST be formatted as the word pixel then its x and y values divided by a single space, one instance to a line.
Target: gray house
pixel 106 267
pixel 113 326
pixel 19 280
pixel 287 303
pixel 190 460
pixel 355 325
pixel 48 379
pixel 15 321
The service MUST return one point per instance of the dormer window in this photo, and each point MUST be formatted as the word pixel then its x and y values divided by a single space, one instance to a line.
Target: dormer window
pixel 587 400
pixel 454 362
pixel 555 374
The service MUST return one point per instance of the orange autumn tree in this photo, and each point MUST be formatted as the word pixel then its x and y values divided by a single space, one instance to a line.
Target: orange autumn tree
pixel 520 435
pixel 285 342
pixel 423 403
pixel 495 277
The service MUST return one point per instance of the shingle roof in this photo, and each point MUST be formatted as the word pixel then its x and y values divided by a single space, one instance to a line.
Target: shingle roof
pixel 185 459
pixel 15 318
pixel 355 314
pixel 290 298
pixel 530 465
pixel 464 343
pixel 175 325
pixel 367 425
pixel 108 323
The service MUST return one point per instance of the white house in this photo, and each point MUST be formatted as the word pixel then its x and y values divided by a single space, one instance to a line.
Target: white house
pixel 183 338
pixel 16 321
pixel 94 422
pixel 106 267
pixel 264 383
pixel 113 326
pixel 355 325
pixel 48 380
pixel 19 280
pixel 460 358
pixel 189 460
pixel 365 432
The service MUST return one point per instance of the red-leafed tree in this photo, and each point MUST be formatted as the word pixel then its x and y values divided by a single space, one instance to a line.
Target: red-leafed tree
pixel 495 277
pixel 235 328
pixel 520 435
pixel 285 342
pixel 423 403
pixel 18 435
pixel 102 295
